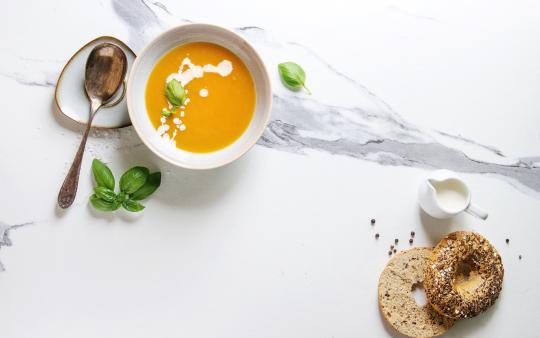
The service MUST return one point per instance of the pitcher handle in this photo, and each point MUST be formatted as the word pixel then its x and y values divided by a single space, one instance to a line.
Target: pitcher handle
pixel 475 210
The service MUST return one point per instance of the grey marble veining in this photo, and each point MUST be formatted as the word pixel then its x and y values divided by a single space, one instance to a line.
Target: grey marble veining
pixel 4 235
pixel 364 127
pixel 30 71
pixel 295 127
pixel 144 18
pixel 371 130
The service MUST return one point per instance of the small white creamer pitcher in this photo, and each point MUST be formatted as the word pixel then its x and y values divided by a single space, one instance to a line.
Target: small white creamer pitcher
pixel 444 194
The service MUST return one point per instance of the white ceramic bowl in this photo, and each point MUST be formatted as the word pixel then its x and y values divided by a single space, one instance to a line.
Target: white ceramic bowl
pixel 143 65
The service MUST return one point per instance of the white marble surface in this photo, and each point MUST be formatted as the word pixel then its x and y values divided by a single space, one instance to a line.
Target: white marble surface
pixel 279 243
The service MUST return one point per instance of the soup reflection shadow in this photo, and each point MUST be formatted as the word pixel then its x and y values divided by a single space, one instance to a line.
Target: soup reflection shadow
pixel 184 187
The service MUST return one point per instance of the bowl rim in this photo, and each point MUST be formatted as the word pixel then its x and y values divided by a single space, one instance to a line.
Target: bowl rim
pixel 249 145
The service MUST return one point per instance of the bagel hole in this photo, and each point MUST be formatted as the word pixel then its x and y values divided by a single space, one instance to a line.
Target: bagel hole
pixel 419 294
pixel 467 279
pixel 464 271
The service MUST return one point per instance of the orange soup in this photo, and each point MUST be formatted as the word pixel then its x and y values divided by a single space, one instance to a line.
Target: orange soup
pixel 200 97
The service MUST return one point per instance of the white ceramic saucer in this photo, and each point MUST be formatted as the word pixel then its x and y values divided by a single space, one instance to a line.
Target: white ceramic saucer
pixel 70 96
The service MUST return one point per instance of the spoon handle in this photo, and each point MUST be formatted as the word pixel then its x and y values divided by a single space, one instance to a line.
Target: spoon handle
pixel 68 191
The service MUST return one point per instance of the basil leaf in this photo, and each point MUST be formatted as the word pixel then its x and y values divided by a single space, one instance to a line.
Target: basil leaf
pixel 105 194
pixel 166 112
pixel 175 93
pixel 151 185
pixel 133 206
pixel 102 174
pixel 292 75
pixel 102 205
pixel 121 197
pixel 133 179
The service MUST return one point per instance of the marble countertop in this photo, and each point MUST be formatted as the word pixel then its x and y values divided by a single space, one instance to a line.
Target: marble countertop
pixel 279 243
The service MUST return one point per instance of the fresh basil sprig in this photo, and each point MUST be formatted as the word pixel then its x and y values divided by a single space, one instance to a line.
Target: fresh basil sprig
pixel 103 175
pixel 102 205
pixel 175 93
pixel 133 206
pixel 133 179
pixel 151 184
pixel 293 76
pixel 135 184
pixel 105 194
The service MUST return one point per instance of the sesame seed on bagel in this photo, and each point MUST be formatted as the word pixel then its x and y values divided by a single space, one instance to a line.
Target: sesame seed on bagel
pixel 465 275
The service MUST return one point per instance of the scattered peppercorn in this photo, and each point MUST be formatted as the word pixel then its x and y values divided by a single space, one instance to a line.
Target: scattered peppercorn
pixel 507 241
pixel 395 250
pixel 373 221
pixel 410 241
pixel 412 233
pixel 391 247
pixel 376 236
pixel 519 256
pixel 390 253
pixel 396 240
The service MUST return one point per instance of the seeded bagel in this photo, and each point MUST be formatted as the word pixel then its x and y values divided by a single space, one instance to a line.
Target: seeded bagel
pixel 465 275
pixel 400 276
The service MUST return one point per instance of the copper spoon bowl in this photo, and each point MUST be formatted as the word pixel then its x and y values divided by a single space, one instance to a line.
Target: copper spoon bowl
pixel 105 71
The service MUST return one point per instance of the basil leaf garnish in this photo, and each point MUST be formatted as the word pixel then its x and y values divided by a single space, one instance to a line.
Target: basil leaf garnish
pixel 175 93
pixel 105 194
pixel 102 174
pixel 102 205
pixel 133 206
pixel 133 179
pixel 167 112
pixel 151 184
pixel 293 76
